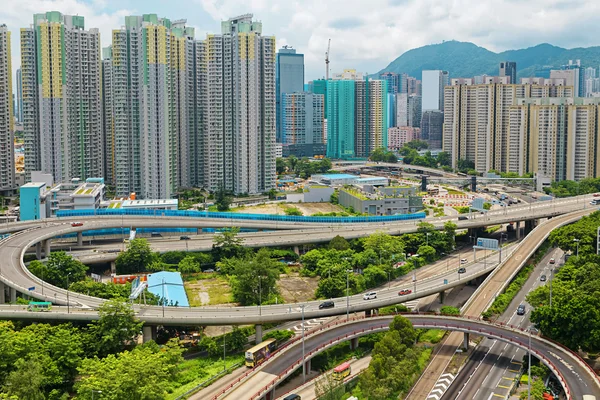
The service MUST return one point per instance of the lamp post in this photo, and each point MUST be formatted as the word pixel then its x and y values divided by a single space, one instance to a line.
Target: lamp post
pixel 224 362
pixel 303 355
pixel 529 368
pixel 551 275
pixel 95 391
pixel 259 295
pixel 577 242
pixel 348 294
pixel 68 303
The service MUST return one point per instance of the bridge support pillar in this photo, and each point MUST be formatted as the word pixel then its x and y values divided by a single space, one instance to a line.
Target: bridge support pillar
pixel 47 248
pixel 13 294
pixel 270 395
pixel 466 341
pixel 38 251
pixel 367 313
pixel 2 293
pixel 307 366
pixel 259 333
pixel 149 333
pixel 518 229
pixel 297 250
pixel 79 239
pixel 442 297
pixel 354 343
pixel 113 267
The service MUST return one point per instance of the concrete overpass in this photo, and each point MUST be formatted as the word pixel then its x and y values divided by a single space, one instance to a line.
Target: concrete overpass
pixel 576 377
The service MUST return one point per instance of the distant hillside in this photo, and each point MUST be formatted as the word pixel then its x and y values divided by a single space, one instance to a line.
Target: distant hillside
pixel 464 59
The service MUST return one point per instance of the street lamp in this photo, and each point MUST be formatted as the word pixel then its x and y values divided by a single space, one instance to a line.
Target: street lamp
pixel 224 362
pixel 68 303
pixel 428 238
pixel 529 367
pixel 551 275
pixel 577 241
pixel 259 295
pixel 95 391
pixel 303 356
pixel 347 294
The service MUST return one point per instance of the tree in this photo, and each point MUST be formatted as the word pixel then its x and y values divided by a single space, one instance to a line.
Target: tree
pixel 26 380
pixel 417 144
pixel 339 243
pixel 427 252
pixel 443 158
pixel 59 268
pixel 295 211
pixel 143 373
pixel 116 328
pixel 280 165
pixel 228 243
pixel 464 165
pixel 254 277
pixel 386 247
pixel 222 200
pixel 188 265
pixel 449 310
pixel 136 258
pixel 328 388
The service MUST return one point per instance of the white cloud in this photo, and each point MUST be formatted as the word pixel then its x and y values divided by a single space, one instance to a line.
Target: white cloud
pixel 365 35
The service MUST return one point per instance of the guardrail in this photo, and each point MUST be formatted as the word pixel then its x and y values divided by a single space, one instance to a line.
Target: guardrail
pixel 241 216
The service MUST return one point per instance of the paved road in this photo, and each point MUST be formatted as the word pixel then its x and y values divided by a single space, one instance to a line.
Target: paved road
pixel 14 273
pixel 494 365
pixel 483 297
pixel 577 377
pixel 428 282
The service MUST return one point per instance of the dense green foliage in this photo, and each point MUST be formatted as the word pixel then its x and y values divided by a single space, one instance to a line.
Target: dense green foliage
pixel 222 200
pixel 136 258
pixel 376 256
pixel 302 167
pixel 502 301
pixel 468 59
pixel 394 362
pixel 59 269
pixel 449 310
pixel 383 155
pixel 281 335
pixel 568 188
pixel 227 243
pixel 290 210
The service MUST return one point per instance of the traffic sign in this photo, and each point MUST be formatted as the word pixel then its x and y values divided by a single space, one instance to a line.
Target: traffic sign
pixel 484 243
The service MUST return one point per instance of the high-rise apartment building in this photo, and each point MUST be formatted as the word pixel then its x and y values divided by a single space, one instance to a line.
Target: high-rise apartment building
pixel 60 65
pixel 571 78
pixel 509 68
pixel 413 86
pixel 393 81
pixel 433 85
pixel 319 86
pixel 19 100
pixel 371 123
pixel 239 124
pixel 402 109
pixel 7 156
pixel 414 110
pixel 289 78
pixel 302 124
pixel 340 118
pixel 432 123
pixel 108 117
pixel 478 120
pixel 398 136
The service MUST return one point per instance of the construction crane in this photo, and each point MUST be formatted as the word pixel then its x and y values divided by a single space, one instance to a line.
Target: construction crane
pixel 327 60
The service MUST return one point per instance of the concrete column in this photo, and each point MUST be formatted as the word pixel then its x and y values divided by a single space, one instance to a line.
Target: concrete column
pixel 297 250
pixel 149 333
pixel 113 267
pixel 466 340
pixel 354 343
pixel 259 333
pixel 518 229
pixel 79 239
pixel 38 250
pixel 307 366
pixel 367 313
pixel 442 297
pixel 13 295
pixel 47 248
pixel 2 293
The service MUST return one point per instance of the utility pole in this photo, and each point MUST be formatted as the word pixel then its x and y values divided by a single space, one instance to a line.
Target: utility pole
pixel 303 355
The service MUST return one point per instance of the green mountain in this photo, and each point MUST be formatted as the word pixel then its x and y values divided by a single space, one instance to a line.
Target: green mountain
pixel 464 59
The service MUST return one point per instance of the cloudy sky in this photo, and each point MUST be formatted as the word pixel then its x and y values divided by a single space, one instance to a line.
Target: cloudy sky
pixel 365 35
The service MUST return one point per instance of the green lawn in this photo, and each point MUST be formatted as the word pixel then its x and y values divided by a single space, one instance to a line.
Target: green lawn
pixel 432 336
pixel 193 372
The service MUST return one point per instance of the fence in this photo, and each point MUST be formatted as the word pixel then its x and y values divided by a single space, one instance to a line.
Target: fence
pixel 238 216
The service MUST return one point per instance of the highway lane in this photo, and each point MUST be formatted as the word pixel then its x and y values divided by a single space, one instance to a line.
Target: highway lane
pixel 442 277
pixel 483 297
pixel 574 373
pixel 493 366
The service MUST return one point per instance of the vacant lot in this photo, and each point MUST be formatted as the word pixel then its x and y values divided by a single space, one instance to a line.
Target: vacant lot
pixel 279 209
pixel 208 292
pixel 295 288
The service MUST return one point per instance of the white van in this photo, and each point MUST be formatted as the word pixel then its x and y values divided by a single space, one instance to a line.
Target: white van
pixel 370 295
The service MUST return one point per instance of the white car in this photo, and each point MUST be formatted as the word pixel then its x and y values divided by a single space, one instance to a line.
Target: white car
pixel 370 295
pixel 463 261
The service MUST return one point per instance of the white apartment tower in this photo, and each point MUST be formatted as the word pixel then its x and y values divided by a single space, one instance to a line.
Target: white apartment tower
pixel 7 157
pixel 60 65
pixel 239 108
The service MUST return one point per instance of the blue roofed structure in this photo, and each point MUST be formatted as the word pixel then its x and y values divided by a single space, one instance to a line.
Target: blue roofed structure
pixel 170 286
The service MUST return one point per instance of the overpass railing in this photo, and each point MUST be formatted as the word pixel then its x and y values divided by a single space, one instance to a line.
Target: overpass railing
pixel 240 216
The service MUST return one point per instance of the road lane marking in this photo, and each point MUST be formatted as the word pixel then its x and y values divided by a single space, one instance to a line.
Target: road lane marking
pixel 498 395
pixel 504 387
pixel 508 379
pixel 513 371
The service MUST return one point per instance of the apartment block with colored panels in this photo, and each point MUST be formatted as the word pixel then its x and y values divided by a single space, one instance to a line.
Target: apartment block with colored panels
pixel 7 157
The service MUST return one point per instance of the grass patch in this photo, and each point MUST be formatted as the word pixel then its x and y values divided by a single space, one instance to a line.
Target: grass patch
pixel 432 336
pixel 453 191
pixel 219 291
pixel 493 229
pixel 502 302
pixel 193 372
pixel 217 288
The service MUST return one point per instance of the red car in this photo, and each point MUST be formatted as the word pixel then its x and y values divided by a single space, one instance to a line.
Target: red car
pixel 596 194
pixel 404 292
pixel 76 223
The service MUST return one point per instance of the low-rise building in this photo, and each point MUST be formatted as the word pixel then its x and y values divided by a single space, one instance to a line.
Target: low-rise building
pixel 348 179
pixel 373 201
pixel 312 194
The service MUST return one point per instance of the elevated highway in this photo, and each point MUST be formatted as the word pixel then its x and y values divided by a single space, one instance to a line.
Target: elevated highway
pixel 576 377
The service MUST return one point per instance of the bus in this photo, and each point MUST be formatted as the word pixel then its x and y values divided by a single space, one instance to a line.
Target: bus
pixel 260 352
pixel 39 306
pixel 341 371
